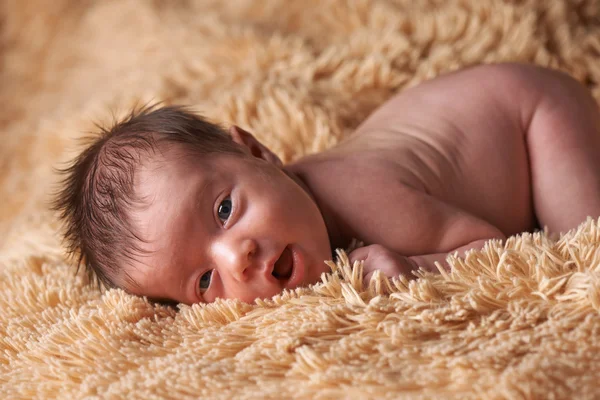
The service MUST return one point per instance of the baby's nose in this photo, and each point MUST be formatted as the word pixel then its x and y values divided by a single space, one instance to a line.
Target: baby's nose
pixel 238 257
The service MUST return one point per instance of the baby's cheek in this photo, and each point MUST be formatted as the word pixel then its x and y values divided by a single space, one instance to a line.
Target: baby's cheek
pixel 323 268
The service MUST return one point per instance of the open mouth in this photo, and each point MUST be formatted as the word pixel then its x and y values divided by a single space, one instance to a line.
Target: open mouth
pixel 284 266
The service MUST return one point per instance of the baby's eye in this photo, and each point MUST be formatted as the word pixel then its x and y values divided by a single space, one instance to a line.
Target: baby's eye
pixel 205 281
pixel 224 210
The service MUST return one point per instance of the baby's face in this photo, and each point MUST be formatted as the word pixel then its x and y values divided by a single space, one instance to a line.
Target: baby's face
pixel 224 226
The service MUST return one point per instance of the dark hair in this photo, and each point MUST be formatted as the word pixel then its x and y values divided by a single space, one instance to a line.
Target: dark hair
pixel 97 190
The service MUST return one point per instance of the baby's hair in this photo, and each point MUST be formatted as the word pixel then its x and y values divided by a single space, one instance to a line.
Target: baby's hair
pixel 97 191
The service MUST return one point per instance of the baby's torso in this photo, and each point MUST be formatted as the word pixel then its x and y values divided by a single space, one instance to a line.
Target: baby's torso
pixel 430 147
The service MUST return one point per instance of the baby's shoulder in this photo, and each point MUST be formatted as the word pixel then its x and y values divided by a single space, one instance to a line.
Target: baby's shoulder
pixel 356 170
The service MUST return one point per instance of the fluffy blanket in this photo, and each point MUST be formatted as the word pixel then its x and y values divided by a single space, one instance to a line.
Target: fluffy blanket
pixel 519 319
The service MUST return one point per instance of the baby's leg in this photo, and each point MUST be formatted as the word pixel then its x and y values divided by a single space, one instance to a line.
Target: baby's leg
pixel 563 141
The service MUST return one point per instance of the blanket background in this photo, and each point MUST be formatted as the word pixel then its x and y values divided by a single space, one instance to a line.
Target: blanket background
pixel 516 320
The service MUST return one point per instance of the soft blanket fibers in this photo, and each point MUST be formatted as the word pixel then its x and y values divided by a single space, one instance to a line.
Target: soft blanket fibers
pixel 519 319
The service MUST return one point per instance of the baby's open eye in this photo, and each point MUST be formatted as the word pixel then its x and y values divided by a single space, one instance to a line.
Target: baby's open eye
pixel 224 210
pixel 205 281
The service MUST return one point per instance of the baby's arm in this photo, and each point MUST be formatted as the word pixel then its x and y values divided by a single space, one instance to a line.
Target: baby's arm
pixel 457 225
pixel 391 264
pixel 459 232
pixel 428 261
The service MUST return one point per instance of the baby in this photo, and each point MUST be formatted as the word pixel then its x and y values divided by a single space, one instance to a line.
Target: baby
pixel 169 206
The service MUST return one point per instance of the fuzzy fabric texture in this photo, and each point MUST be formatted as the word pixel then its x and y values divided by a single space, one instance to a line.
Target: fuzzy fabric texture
pixel 517 320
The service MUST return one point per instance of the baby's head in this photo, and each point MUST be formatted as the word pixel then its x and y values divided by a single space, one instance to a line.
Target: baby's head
pixel 167 205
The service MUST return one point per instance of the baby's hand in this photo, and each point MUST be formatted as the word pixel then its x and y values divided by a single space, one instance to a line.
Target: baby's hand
pixel 378 257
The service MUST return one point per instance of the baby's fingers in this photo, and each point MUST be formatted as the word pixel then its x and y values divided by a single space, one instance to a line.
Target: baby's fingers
pixel 367 277
pixel 358 254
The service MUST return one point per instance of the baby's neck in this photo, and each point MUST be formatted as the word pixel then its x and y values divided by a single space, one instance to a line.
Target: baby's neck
pixel 336 237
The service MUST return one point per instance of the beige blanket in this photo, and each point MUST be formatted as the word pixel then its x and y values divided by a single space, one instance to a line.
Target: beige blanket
pixel 519 319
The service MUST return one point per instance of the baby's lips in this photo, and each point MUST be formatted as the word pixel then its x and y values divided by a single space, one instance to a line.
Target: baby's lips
pixel 298 268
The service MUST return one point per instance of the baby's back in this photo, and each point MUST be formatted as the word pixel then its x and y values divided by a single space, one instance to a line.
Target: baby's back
pixel 453 145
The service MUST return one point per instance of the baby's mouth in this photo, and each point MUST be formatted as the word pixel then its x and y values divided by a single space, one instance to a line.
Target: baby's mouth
pixel 284 266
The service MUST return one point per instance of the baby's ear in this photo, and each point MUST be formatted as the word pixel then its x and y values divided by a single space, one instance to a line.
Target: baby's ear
pixel 256 148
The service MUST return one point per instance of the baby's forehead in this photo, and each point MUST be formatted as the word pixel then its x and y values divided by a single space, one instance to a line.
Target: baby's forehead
pixel 174 166
pixel 174 172
pixel 160 166
pixel 169 156
pixel 164 192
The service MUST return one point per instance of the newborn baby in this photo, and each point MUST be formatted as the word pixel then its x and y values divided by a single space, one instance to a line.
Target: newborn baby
pixel 169 206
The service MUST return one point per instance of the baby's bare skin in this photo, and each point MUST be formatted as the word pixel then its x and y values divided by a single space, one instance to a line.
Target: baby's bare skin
pixel 482 153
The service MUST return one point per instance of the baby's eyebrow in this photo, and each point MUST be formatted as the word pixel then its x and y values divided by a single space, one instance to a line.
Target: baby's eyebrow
pixel 201 190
